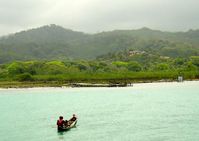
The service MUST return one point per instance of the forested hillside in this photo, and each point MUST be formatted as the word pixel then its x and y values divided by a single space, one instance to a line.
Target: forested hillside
pixel 54 54
pixel 57 43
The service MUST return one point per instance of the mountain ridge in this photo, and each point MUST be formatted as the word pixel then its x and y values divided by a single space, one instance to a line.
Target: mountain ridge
pixel 51 42
pixel 61 27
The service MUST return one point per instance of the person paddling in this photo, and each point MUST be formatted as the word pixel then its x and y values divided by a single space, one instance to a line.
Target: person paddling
pixel 60 122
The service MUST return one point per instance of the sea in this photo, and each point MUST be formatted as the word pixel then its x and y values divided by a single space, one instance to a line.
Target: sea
pixel 167 111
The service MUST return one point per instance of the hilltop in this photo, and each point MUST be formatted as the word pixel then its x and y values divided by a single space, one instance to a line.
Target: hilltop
pixel 52 42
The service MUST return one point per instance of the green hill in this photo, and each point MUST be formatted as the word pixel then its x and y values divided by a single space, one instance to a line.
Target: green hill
pixel 55 42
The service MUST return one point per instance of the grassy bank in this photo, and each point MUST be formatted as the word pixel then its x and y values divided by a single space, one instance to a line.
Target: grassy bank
pixel 66 73
pixel 59 80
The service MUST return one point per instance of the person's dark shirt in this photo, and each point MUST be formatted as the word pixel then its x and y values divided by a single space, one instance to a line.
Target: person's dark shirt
pixel 60 123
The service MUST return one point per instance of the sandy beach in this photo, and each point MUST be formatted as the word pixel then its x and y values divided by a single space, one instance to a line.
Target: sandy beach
pixel 137 85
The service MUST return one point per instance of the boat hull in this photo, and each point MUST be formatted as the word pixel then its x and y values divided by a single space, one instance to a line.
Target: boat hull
pixel 72 125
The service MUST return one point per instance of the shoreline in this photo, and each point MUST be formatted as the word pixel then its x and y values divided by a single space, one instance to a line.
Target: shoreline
pixel 36 85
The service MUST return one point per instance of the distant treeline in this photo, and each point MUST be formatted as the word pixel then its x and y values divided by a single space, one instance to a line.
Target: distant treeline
pixel 100 71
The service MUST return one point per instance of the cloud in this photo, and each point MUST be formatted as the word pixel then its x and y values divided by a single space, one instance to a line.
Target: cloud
pixel 99 15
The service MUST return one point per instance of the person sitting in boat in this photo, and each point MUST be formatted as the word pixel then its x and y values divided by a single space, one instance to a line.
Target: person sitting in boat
pixel 60 122
pixel 73 118
pixel 66 123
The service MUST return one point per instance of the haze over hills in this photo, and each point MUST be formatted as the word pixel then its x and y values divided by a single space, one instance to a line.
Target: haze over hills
pixel 55 42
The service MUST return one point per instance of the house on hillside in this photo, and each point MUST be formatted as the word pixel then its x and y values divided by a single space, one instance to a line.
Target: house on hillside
pixel 135 52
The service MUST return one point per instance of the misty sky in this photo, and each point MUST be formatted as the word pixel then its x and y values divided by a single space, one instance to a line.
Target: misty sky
pixel 99 15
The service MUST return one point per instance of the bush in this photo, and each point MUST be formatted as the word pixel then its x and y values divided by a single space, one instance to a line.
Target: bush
pixel 24 77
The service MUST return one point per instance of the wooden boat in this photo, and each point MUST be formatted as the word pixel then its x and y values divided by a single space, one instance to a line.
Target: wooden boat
pixel 70 125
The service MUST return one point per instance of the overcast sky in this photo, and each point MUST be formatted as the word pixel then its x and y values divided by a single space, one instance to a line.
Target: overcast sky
pixel 99 15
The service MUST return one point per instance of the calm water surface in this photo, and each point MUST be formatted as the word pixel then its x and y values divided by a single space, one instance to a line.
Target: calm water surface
pixel 145 112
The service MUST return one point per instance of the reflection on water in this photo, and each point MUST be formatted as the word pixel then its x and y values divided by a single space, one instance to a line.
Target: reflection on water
pixel 60 135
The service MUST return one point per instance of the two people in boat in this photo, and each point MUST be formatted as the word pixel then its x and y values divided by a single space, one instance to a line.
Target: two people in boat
pixel 64 123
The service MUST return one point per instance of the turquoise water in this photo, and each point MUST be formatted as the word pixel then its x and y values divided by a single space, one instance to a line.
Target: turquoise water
pixel 145 112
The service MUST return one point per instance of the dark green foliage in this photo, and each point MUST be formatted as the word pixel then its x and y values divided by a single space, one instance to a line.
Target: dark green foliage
pixel 162 67
pixel 16 68
pixel 195 60
pixel 24 77
pixel 189 66
pixel 100 71
pixel 59 54
pixel 57 43
pixel 134 66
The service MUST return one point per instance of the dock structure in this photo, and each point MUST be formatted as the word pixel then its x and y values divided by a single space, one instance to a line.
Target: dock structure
pixel 97 85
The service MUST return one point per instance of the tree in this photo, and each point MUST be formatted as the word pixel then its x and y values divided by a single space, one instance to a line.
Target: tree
pixel 16 68
pixel 24 77
pixel 162 67
pixel 195 60
pixel 189 66
pixel 54 67
pixel 120 64
pixel 179 61
pixel 134 66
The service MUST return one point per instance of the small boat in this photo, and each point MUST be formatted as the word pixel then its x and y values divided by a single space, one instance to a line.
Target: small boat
pixel 70 125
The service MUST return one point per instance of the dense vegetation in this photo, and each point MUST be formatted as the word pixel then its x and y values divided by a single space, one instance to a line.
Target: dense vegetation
pixel 101 71
pixel 54 54
pixel 57 43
